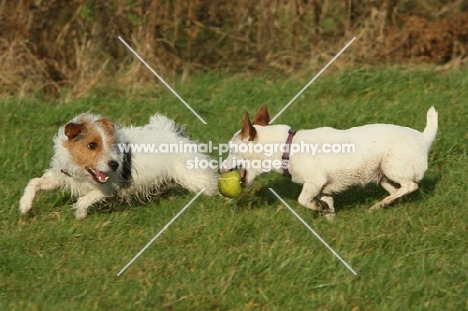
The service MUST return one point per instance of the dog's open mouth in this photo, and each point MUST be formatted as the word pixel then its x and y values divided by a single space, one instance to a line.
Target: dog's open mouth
pixel 98 176
pixel 243 174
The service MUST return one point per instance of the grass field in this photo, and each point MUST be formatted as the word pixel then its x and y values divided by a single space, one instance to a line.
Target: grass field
pixel 249 253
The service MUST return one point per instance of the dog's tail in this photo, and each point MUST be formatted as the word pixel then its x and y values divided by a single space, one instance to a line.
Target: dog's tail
pixel 162 123
pixel 431 126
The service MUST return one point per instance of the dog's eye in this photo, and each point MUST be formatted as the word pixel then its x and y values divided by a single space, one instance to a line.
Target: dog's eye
pixel 92 145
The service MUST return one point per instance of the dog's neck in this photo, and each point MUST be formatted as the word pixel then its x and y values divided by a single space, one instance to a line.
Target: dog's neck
pixel 275 135
pixel 285 157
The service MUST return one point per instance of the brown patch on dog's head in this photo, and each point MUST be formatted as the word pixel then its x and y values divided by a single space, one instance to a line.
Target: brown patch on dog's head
pixel 86 145
pixel 72 130
pixel 109 128
pixel 262 117
pixel 248 131
pixel 88 142
pixel 107 125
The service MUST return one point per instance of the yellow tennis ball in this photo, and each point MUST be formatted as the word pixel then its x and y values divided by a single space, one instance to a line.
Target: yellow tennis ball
pixel 229 184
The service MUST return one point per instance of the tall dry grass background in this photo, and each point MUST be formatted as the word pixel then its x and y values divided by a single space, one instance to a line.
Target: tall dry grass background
pixel 50 45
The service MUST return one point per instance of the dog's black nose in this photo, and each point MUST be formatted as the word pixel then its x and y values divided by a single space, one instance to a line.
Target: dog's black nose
pixel 219 171
pixel 114 165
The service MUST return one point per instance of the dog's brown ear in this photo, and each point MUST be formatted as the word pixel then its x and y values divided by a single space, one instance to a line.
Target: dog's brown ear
pixel 262 117
pixel 108 125
pixel 248 131
pixel 72 130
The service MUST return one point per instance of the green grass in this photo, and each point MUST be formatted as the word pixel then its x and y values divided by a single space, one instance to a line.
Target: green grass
pixel 250 253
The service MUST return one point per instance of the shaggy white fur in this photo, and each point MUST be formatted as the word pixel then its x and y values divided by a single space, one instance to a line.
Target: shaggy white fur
pixel 89 163
pixel 393 156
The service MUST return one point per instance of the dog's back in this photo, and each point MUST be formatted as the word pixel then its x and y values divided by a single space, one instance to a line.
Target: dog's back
pixel 374 152
pixel 161 153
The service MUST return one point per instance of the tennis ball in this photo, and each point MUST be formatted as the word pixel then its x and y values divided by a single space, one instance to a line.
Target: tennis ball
pixel 229 184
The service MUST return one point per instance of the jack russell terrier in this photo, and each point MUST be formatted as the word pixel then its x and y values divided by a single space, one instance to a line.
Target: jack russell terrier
pixel 393 156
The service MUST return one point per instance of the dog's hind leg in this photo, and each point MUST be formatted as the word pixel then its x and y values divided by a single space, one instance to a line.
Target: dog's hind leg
pixel 82 204
pixel 48 181
pixel 405 188
pixel 389 186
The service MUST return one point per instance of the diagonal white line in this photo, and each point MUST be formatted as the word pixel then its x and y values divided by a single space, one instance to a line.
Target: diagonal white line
pixel 311 81
pixel 162 80
pixel 312 230
pixel 160 232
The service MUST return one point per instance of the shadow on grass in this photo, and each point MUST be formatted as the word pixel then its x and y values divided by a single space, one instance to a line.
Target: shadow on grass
pixel 134 203
pixel 259 195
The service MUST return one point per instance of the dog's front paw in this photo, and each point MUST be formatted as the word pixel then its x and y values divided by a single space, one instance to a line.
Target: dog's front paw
pixel 374 208
pixel 314 205
pixel 80 214
pixel 25 205
pixel 80 211
pixel 329 216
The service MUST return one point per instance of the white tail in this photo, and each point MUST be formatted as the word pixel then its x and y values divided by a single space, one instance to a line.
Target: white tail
pixel 430 130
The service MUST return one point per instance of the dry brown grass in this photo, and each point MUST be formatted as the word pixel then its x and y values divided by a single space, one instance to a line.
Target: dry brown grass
pixel 50 45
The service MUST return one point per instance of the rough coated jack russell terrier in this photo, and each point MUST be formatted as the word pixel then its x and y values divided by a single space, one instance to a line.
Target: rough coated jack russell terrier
pixel 88 162
pixel 393 156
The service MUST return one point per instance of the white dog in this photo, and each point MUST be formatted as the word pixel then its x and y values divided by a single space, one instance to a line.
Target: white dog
pixel 393 156
pixel 94 160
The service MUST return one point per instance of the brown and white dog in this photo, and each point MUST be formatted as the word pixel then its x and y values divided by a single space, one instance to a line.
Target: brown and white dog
pixel 393 156
pixel 93 160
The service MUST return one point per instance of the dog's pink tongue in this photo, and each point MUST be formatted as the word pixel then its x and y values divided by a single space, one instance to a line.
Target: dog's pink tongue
pixel 101 176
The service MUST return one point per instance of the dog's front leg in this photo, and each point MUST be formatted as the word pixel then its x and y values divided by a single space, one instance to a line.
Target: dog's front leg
pixel 49 181
pixel 82 204
pixel 328 209
pixel 308 194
